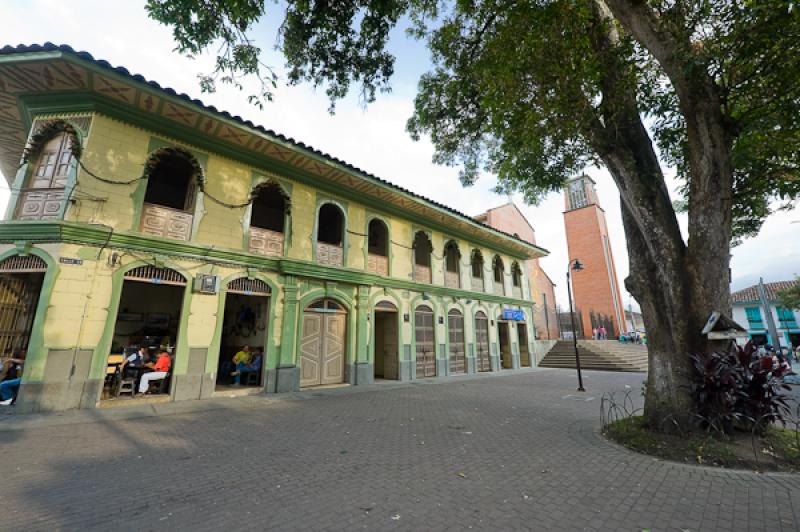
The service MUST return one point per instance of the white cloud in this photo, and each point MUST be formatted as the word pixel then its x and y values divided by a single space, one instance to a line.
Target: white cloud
pixel 373 139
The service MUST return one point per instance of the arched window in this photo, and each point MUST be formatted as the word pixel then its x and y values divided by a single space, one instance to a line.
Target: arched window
pixel 499 271
pixel 452 256
pixel 476 262
pixel 378 247
pixel 330 235
pixel 516 280
pixel 172 177
pixel 52 168
pixel 422 257
pixel 268 220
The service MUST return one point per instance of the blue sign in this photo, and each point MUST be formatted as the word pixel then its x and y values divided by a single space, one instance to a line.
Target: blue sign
pixel 513 315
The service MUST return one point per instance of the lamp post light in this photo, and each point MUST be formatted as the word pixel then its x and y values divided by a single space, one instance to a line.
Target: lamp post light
pixel 575 265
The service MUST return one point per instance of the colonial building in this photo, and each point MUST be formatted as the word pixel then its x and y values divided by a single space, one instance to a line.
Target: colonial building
pixel 595 289
pixel 508 218
pixel 142 218
pixel 753 312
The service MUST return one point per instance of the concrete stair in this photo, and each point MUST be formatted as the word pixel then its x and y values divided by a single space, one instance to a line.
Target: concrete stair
pixel 605 355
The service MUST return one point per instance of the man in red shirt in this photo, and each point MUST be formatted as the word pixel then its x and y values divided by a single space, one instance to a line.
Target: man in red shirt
pixel 160 371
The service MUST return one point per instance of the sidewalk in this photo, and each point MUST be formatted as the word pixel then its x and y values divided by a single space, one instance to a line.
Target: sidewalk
pixel 221 401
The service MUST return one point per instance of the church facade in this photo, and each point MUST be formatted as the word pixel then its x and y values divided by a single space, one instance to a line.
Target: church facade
pixel 142 219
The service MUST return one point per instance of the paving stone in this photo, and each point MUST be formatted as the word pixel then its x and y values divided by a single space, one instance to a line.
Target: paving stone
pixel 487 453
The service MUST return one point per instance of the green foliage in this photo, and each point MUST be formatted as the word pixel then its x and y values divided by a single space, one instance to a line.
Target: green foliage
pixel 521 89
pixel 790 298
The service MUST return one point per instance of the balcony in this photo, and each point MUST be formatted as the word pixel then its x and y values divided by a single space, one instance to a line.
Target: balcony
pixel 422 274
pixel 40 203
pixel 477 284
pixel 451 280
pixel 330 254
pixel 499 288
pixel 166 222
pixel 516 291
pixel 377 264
pixel 266 242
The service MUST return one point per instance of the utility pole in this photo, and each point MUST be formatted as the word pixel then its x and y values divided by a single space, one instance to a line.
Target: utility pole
pixel 773 332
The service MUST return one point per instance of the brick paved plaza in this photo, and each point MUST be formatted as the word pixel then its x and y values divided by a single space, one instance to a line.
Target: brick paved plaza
pixel 504 452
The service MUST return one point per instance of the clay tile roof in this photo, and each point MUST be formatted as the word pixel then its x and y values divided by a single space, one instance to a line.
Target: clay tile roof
pixel 750 293
pixel 50 47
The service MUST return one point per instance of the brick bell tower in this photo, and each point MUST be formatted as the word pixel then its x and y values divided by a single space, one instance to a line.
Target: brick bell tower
pixel 595 288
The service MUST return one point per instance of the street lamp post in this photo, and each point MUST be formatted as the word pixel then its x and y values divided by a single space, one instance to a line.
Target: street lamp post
pixel 576 265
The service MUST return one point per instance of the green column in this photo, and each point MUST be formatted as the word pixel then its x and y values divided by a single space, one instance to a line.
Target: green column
pixel 289 325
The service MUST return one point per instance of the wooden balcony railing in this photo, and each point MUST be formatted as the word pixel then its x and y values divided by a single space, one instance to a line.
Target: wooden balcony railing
pixel 330 254
pixel 166 222
pixel 266 242
pixel 40 203
pixel 378 264
pixel 451 280
pixel 422 274
pixel 477 284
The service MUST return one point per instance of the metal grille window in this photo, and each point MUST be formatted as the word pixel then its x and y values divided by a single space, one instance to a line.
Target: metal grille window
pixel 155 275
pixel 250 287
pixel 23 264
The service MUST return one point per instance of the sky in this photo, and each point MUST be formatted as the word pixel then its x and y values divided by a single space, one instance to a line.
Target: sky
pixel 372 138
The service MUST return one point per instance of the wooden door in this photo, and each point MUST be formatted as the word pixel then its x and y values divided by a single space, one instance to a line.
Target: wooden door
pixel 391 368
pixel 455 329
pixel 323 343
pixel 524 354
pixel 482 342
pixel 333 348
pixel 311 349
pixel 19 295
pixel 505 344
pixel 425 342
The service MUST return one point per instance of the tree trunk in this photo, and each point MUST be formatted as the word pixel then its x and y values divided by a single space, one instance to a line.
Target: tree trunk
pixel 677 285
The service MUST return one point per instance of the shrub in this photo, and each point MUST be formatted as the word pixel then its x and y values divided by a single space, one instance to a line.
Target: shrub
pixel 732 390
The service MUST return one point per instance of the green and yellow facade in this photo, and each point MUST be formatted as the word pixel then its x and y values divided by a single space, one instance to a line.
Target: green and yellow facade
pixel 91 236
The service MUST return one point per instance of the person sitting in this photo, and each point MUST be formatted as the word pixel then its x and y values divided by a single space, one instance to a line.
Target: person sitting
pixel 241 357
pixel 160 370
pixel 253 365
pixel 136 360
pixel 9 388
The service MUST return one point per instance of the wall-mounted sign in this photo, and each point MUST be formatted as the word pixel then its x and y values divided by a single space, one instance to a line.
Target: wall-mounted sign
pixel 68 260
pixel 513 315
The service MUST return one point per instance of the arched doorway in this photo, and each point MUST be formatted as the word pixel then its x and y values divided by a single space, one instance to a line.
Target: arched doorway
pixel 322 348
pixel 147 325
pixel 21 280
pixel 522 337
pixel 386 341
pixel 504 339
pixel 244 333
pixel 455 330
pixel 425 340
pixel 483 360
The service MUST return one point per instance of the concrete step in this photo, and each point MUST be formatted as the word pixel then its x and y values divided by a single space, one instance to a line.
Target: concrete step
pixel 597 354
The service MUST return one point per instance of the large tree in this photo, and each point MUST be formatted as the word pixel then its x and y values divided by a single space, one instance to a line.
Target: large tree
pixel 534 91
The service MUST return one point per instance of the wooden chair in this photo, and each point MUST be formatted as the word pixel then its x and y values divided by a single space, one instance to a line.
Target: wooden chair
pixel 112 371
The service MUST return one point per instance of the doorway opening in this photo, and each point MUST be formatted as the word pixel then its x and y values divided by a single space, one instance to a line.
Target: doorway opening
pixel 505 344
pixel 322 347
pixel 21 280
pixel 482 358
pixel 524 353
pixel 244 334
pixel 142 354
pixel 425 342
pixel 455 330
pixel 386 341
